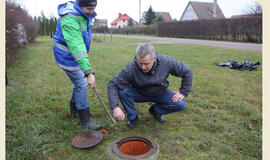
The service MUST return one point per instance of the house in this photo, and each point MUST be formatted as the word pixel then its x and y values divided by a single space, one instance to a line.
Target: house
pixel 100 23
pixel 123 20
pixel 164 15
pixel 202 11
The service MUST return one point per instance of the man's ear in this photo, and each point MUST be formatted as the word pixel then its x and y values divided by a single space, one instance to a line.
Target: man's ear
pixel 155 58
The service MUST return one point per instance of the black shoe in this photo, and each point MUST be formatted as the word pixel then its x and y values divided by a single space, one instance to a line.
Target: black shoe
pixel 85 120
pixel 73 110
pixel 158 118
pixel 132 123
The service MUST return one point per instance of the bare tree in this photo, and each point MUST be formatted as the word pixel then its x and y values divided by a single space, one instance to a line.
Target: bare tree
pixel 256 10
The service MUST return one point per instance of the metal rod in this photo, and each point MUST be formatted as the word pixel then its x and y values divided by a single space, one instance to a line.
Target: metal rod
pixel 114 121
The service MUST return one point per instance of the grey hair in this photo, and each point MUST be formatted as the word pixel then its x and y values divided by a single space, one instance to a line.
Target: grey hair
pixel 145 49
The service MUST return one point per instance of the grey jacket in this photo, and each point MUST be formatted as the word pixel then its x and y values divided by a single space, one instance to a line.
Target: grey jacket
pixel 152 83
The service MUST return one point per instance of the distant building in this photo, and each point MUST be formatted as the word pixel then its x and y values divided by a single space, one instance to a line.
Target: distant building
pixel 165 16
pixel 202 11
pixel 100 23
pixel 123 20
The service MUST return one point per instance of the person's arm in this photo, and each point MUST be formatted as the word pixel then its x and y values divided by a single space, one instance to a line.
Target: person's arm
pixel 119 82
pixel 113 96
pixel 71 30
pixel 185 72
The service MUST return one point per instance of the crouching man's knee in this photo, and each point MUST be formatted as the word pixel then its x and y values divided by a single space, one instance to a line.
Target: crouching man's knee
pixel 123 93
pixel 181 105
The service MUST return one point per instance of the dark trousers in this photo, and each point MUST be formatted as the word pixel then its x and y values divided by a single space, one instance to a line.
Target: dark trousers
pixel 163 102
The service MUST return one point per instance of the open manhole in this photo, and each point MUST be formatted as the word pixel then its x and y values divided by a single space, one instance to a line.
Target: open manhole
pixel 133 147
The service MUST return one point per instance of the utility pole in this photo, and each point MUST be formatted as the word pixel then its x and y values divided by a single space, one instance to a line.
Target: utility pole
pixel 140 20
pixel 45 30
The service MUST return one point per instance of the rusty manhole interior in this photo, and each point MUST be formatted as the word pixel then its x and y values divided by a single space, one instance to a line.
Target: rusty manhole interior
pixel 87 139
pixel 134 147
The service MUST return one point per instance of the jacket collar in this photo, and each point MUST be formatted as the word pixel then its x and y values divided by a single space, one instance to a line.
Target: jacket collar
pixel 156 64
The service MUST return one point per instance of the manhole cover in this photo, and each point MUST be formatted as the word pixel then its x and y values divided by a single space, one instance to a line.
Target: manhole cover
pixel 87 139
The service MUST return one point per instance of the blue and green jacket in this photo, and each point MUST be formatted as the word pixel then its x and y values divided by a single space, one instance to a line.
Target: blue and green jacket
pixel 73 37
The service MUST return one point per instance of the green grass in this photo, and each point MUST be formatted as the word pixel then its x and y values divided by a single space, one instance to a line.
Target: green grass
pixel 223 118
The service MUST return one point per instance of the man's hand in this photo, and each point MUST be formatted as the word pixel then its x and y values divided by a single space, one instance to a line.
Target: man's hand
pixel 91 80
pixel 118 113
pixel 177 96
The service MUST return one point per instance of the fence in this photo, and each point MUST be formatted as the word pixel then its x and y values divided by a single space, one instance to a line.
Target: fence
pixel 148 30
pixel 237 29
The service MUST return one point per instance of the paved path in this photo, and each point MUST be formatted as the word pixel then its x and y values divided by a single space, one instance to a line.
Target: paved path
pixel 238 45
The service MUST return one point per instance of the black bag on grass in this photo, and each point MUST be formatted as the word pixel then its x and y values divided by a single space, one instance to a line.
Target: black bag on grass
pixel 235 65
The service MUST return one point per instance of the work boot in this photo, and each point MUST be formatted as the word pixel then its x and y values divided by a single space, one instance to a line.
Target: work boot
pixel 73 110
pixel 158 118
pixel 132 123
pixel 85 120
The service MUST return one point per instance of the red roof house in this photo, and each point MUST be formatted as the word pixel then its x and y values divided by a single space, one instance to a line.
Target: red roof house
pixel 121 21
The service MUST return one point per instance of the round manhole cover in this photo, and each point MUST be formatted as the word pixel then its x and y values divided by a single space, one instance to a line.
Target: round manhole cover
pixel 87 139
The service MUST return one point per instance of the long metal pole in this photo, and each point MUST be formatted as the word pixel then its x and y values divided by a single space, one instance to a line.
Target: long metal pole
pixel 108 112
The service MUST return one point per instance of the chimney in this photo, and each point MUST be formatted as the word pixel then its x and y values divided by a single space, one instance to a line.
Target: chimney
pixel 214 10
pixel 119 15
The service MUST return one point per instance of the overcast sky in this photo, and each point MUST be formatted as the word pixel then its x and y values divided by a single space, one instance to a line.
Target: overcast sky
pixel 109 9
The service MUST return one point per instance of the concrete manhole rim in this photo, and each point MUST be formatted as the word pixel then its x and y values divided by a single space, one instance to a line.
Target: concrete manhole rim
pixel 148 140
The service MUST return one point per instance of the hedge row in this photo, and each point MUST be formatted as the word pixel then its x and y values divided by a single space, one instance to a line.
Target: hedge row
pixel 15 17
pixel 238 29
pixel 147 30
pixel 245 29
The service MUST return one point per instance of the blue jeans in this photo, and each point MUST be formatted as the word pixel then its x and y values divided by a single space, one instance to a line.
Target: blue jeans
pixel 163 102
pixel 79 94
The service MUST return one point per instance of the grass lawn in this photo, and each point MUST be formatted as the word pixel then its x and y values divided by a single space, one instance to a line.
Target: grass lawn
pixel 223 118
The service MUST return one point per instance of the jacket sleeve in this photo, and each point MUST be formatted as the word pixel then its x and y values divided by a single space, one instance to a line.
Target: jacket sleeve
pixel 71 30
pixel 119 82
pixel 180 69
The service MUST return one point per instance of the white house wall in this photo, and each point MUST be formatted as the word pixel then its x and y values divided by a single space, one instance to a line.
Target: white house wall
pixel 189 14
pixel 120 24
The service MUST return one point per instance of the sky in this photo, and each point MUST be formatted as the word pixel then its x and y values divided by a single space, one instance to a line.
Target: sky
pixel 109 9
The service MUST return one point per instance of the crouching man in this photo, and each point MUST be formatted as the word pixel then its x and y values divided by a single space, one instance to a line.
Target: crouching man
pixel 145 80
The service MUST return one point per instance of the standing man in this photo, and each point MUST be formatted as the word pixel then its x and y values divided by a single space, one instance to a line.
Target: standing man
pixel 145 80
pixel 71 46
